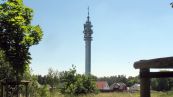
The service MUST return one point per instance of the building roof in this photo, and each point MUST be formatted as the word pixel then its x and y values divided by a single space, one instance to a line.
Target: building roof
pixel 101 84
pixel 138 85
pixel 117 85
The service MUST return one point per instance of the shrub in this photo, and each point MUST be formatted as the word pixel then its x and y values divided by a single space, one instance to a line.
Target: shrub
pixel 76 84
pixel 44 91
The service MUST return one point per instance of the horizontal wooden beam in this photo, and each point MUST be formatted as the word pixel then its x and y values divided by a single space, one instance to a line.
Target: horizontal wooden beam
pixel 166 62
pixel 156 74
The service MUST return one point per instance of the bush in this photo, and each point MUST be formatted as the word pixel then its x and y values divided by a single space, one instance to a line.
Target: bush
pixel 37 90
pixel 161 84
pixel 76 84
pixel 44 91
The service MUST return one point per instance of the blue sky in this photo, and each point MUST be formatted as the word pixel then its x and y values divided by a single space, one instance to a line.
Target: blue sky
pixel 125 31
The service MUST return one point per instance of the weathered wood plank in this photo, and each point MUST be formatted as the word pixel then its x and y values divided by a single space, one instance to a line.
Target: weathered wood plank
pixel 166 62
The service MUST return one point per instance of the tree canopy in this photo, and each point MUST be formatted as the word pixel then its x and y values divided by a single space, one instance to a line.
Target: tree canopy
pixel 77 84
pixel 17 34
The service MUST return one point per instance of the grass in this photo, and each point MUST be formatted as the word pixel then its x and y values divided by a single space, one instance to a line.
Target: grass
pixel 123 94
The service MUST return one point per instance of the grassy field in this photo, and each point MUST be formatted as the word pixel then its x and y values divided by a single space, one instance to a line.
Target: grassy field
pixel 125 94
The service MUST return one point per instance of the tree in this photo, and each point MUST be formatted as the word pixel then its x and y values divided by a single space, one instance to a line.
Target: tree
pixel 52 79
pixel 76 84
pixel 132 80
pixel 5 69
pixel 17 34
pixel 114 79
pixel 67 79
pixel 44 92
pixel 42 79
pixel 160 84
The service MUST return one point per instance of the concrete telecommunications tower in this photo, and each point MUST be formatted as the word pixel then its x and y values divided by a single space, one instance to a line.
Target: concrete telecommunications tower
pixel 88 38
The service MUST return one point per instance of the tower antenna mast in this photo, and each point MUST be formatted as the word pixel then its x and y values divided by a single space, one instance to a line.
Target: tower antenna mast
pixel 88 13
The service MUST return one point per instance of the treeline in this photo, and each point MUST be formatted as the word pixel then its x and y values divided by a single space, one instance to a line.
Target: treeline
pixel 68 82
pixel 162 84
pixel 53 78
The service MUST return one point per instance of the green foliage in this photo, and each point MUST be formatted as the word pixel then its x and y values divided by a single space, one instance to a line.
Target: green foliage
pixel 132 80
pixel 6 70
pixel 44 91
pixel 161 84
pixel 84 84
pixel 42 79
pixel 52 78
pixel 17 34
pixel 33 86
pixel 75 84
pixel 35 89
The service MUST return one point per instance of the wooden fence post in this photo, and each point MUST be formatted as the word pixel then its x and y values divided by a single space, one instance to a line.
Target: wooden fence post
pixel 26 87
pixel 2 90
pixel 144 83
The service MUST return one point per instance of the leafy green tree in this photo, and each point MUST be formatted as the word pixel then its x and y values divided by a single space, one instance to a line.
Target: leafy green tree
pixel 6 70
pixel 89 84
pixel 33 87
pixel 52 78
pixel 170 83
pixel 154 84
pixel 17 34
pixel 42 79
pixel 160 84
pixel 114 79
pixel 44 91
pixel 132 80
pixel 76 84
pixel 67 79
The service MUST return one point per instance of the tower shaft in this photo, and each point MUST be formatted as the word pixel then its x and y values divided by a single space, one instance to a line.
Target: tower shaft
pixel 87 57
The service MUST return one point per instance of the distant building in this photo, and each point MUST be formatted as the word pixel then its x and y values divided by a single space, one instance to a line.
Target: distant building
pixel 135 87
pixel 102 85
pixel 118 87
